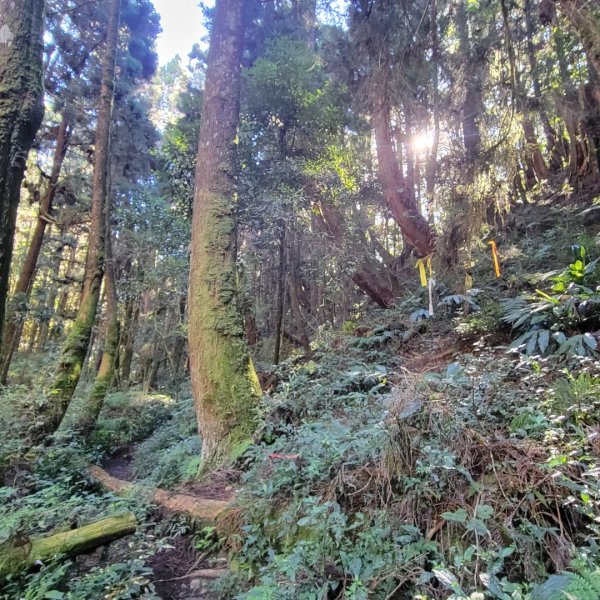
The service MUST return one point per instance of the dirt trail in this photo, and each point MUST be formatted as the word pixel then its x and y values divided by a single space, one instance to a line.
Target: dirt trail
pixel 119 464
pixel 178 570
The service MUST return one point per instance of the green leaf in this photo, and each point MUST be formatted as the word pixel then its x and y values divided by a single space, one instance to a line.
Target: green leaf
pixel 532 344
pixel 590 341
pixel 543 340
pixel 447 579
pixel 54 595
pixel 484 512
pixel 458 516
pixel 477 526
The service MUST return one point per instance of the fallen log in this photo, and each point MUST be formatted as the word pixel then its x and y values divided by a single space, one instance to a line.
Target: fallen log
pixel 17 557
pixel 203 509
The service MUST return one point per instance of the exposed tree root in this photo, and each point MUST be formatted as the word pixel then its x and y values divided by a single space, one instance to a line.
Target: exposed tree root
pixel 204 509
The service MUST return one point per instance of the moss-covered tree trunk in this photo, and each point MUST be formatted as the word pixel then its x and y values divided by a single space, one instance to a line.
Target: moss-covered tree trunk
pixel 225 386
pixel 18 557
pixel 76 345
pixel 21 113
pixel 106 371
pixel 132 314
pixel 22 291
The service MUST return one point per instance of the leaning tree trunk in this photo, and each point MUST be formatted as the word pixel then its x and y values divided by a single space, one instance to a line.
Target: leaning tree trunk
pixel 403 207
pixel 224 382
pixel 24 283
pixel 372 283
pixel 76 345
pixel 21 113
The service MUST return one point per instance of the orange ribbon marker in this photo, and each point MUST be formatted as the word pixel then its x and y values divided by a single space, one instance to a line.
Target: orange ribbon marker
pixel 495 258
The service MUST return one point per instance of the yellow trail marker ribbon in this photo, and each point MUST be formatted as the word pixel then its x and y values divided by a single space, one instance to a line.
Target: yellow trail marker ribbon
pixel 421 263
pixel 495 258
pixel 422 273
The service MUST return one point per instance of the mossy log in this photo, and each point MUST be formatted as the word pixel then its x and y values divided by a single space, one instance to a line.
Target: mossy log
pixel 15 557
pixel 205 510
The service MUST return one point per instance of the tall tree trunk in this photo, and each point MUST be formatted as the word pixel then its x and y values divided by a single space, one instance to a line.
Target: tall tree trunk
pixel 63 297
pixel 50 304
pixel 279 309
pixel 24 285
pixel 554 149
pixel 104 376
pixel 294 286
pixel 402 206
pixel 472 103
pixel 21 113
pixel 225 386
pixel 431 166
pixel 536 166
pixel 587 25
pixel 132 314
pixel 76 345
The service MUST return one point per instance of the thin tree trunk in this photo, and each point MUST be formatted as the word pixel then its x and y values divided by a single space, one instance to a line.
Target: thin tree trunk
pixel 224 382
pixel 536 166
pixel 63 297
pixel 554 149
pixel 431 167
pixel 129 332
pixel 21 113
pixel 26 276
pixel 294 286
pixel 279 309
pixel 76 345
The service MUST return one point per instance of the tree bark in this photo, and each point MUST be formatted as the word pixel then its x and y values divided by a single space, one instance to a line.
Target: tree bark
pixel 554 149
pixel 536 166
pixel 21 113
pixel 432 159
pixel 26 276
pixel 225 386
pixel 18 558
pixel 368 281
pixel 402 206
pixel 472 102
pixel 132 315
pixel 204 509
pixel 279 310
pixel 76 345
pixel 587 25
pixel 104 376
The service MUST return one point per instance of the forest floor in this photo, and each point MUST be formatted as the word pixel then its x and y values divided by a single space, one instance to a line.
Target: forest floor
pixel 406 457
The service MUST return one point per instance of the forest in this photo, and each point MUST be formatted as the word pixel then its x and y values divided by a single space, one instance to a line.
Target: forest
pixel 311 312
